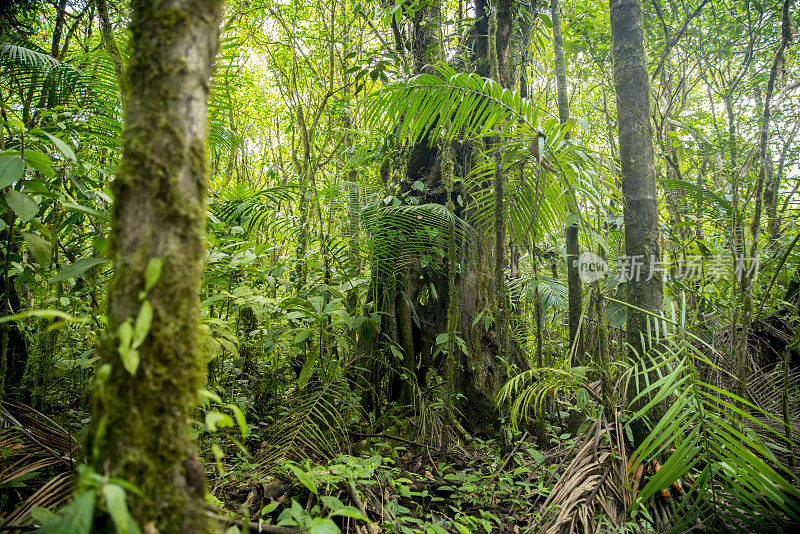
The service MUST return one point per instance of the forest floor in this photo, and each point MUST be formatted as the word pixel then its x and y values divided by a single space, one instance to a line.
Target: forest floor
pixel 505 485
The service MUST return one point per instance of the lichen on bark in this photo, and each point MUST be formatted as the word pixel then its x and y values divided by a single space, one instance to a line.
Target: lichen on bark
pixel 140 426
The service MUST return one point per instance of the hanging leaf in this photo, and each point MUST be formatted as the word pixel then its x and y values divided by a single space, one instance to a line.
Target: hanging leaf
pixel 143 322
pixel 40 162
pixel 76 269
pixel 129 356
pixel 61 145
pixel 118 509
pixel 24 206
pixel 88 211
pixel 303 336
pixel 307 371
pixel 41 249
pixel 152 273
pixel 11 169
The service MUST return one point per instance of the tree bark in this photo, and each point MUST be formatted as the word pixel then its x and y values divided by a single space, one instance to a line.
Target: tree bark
pixel 572 244
pixel 110 44
pixel 140 423
pixel 478 376
pixel 755 227
pixel 640 210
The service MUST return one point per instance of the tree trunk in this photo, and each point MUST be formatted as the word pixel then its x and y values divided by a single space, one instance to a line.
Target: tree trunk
pixel 572 244
pixel 140 431
pixel 421 318
pixel 110 44
pixel 640 210
pixel 755 227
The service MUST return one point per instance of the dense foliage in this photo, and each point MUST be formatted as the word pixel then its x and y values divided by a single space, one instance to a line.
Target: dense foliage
pixel 389 328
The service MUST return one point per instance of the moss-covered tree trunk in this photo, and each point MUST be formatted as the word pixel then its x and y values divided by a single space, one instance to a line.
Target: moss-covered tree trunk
pixel 640 209
pixel 415 317
pixel 140 430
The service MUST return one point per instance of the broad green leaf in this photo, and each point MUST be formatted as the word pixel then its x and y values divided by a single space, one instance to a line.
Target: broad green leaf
pixel 303 336
pixel 441 339
pixel 304 478
pixel 323 525
pixel 76 518
pixel 268 509
pixel 11 169
pixel 42 515
pixel 143 322
pixel 61 145
pixel 572 218
pixel 331 502
pixel 349 511
pixel 317 302
pixel 40 162
pixel 76 269
pixel 307 371
pixel 41 249
pixel 24 206
pixel 88 211
pixel 152 273
pixel 128 355
pixel 118 509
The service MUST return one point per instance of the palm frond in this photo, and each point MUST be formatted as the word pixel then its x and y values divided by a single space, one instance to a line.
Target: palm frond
pixel 402 235
pixel 35 445
pixel 53 82
pixel 533 387
pixel 592 488
pixel 710 204
pixel 477 107
pixel 311 424
pixel 707 433
pixel 446 105
pixel 252 209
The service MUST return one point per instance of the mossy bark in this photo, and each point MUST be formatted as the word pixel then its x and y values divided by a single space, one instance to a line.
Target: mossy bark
pixel 13 345
pixel 640 210
pixel 110 43
pixel 140 423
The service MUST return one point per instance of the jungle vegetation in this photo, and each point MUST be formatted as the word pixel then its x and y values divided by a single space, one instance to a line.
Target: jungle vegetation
pixel 414 266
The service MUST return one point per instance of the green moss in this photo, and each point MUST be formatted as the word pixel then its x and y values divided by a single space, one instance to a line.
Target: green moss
pixel 159 210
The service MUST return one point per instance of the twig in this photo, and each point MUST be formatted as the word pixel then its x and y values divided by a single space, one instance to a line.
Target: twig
pixel 268 529
pixel 386 436
pixel 372 527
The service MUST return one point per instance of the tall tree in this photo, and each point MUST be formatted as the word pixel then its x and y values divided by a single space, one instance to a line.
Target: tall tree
pixel 640 210
pixel 571 233
pixel 152 363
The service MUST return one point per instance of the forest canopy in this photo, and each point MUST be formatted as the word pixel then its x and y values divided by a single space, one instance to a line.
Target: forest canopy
pixel 416 266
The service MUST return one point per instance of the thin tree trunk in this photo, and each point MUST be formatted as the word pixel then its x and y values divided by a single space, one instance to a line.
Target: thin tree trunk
pixel 755 227
pixel 140 431
pixel 110 44
pixel 571 232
